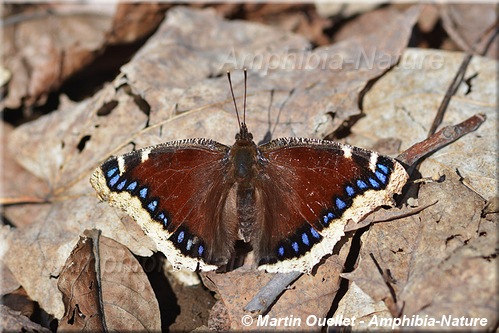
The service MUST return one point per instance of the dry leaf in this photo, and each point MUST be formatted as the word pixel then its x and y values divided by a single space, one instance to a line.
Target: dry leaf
pixel 429 18
pixel 13 321
pixel 33 189
pixel 302 19
pixel 44 49
pixel 406 112
pixel 330 8
pixel 443 257
pixel 46 45
pixel 469 23
pixel 359 305
pixel 367 23
pixel 8 282
pixel 104 288
pixel 310 295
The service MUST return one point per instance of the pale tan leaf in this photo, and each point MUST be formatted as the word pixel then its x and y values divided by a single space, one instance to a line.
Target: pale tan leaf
pixel 405 111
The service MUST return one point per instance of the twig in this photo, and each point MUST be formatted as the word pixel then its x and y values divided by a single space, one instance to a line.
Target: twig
pixel 448 95
pixel 440 139
pixel 269 293
pixel 386 215
pixel 458 78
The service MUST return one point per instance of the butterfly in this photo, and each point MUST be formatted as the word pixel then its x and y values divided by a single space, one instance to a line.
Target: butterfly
pixel 290 198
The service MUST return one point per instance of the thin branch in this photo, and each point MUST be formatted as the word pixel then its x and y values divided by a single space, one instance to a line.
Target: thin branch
pixel 440 139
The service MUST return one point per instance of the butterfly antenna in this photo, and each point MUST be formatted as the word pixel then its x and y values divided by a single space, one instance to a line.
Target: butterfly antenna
pixel 234 99
pixel 245 93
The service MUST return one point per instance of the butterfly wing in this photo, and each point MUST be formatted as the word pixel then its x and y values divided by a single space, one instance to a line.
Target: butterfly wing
pixel 176 192
pixel 316 187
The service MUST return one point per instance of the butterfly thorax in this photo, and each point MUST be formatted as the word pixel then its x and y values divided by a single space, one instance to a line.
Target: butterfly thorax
pixel 244 157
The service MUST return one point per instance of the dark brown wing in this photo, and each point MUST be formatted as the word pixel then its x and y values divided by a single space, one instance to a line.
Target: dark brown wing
pixel 309 190
pixel 176 192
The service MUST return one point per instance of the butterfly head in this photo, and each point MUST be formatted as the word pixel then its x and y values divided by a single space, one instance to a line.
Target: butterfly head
pixel 243 135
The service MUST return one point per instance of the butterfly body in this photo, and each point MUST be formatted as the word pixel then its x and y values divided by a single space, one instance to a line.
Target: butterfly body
pixel 289 198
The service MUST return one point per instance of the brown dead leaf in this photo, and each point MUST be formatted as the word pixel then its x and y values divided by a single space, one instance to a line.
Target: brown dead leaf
pixel 429 18
pixel 18 300
pixel 14 321
pixel 359 305
pixel 344 9
pixel 367 23
pixel 46 45
pixel 8 283
pixel 172 89
pixel 469 23
pixel 42 50
pixel 302 19
pixel 133 21
pixel 310 295
pixel 299 18
pixel 104 288
pixel 443 257
pixel 79 283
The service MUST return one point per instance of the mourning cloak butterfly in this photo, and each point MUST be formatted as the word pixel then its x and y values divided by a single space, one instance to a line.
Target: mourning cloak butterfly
pixel 289 198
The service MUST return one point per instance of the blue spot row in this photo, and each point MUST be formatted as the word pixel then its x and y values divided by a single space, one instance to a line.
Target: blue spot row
pixel 376 181
pixel 152 205
pixel 380 176
pixel 306 237
pixel 187 243
pixel 299 243
pixel 121 183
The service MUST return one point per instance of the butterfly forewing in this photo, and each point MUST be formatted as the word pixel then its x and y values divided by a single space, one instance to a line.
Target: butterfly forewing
pixel 316 187
pixel 177 192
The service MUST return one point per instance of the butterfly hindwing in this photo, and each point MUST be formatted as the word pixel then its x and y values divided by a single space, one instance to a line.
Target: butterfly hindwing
pixel 317 186
pixel 176 192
